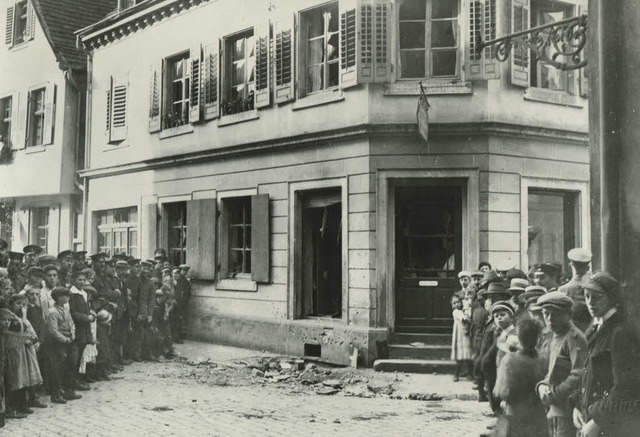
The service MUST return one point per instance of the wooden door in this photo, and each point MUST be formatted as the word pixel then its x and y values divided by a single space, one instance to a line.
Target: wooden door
pixel 428 232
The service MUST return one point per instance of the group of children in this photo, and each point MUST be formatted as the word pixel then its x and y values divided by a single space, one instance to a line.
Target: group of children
pixel 70 325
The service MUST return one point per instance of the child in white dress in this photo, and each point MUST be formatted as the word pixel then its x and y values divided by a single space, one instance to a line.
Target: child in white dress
pixel 460 341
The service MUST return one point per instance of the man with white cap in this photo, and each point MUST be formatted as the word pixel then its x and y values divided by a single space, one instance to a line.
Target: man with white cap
pixel 580 259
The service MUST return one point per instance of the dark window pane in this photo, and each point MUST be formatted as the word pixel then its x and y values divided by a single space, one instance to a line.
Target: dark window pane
pixel 333 74
pixel 444 62
pixel 247 262
pixel 315 23
pixel 247 240
pixel 412 64
pixel 413 10
pixel 412 35
pixel 236 238
pixel 443 34
pixel 444 9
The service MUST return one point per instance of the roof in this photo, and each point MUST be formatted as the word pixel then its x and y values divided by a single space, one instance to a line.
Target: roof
pixel 61 18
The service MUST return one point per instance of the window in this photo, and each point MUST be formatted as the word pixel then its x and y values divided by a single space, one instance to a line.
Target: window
pixel 40 227
pixel 543 75
pixel 118 231
pixel 428 39
pixel 177 231
pixel 177 102
pixel 553 228
pixel 6 110
pixel 240 63
pixel 36 117
pixel 117 108
pixel 320 46
pixel 20 24
pixel 239 211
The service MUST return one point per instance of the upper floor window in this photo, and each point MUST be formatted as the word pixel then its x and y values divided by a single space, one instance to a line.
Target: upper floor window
pixel 240 66
pixel 428 39
pixel 36 117
pixel 20 23
pixel 320 48
pixel 6 111
pixel 177 102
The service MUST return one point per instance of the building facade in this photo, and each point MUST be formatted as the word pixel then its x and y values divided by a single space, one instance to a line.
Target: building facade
pixel 42 102
pixel 273 146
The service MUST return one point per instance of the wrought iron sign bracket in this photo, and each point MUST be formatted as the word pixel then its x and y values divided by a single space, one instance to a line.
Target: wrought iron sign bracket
pixel 566 38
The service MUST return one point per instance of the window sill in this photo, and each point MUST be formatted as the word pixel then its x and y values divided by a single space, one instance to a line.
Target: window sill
pixel 34 149
pixel 19 46
pixel 175 131
pixel 115 146
pixel 432 88
pixel 318 99
pixel 554 97
pixel 237 284
pixel 240 117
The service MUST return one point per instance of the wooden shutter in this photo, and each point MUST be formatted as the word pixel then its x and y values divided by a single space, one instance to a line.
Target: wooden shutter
pixel 491 65
pixel 211 89
pixel 223 264
pixel 283 56
pixel 49 114
pixel 520 56
pixel 16 144
pixel 481 26
pixel 31 22
pixel 367 41
pixel 201 243
pixel 8 33
pixel 24 120
pixel 108 108
pixel 149 228
pixel 195 83
pixel 349 52
pixel 155 98
pixel 263 65
pixel 260 263
pixel 383 27
pixel 118 113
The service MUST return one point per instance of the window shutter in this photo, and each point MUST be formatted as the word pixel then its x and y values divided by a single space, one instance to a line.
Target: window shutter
pixel 16 144
pixel 383 26
pixel 8 33
pixel 284 83
pixel 155 98
pixel 31 22
pixel 25 120
pixel 149 226
pixel 481 26
pixel 201 232
pixel 263 65
pixel 118 114
pixel 349 52
pixel 521 56
pixel 108 108
pixel 223 263
pixel 210 83
pixel 367 41
pixel 491 67
pixel 49 113
pixel 260 263
pixel 195 93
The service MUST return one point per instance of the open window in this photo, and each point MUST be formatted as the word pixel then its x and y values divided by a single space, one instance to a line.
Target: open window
pixel 20 23
pixel 175 215
pixel 240 73
pixel 41 111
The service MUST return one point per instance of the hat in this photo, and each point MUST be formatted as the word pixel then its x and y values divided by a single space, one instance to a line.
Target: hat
pixel 159 293
pixel 122 263
pixel 185 266
pixel 518 286
pixel 176 268
pixel 120 255
pixel 65 254
pixel 160 251
pixel 580 255
pixel 477 273
pixel 551 269
pixel 46 259
pixel 146 264
pixel 464 273
pixel 3 244
pixel 489 277
pixel 495 288
pixel 516 273
pixel 158 258
pixel 557 300
pixel 32 248
pixel 603 282
pixel 166 269
pixel 16 255
pixel 35 271
pixel 531 291
pixel 502 305
pixel 104 316
pixel 49 267
pixel 134 262
pixel 99 255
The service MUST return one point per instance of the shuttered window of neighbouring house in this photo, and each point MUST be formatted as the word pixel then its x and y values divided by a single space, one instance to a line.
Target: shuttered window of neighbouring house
pixel 211 81
pixel 118 112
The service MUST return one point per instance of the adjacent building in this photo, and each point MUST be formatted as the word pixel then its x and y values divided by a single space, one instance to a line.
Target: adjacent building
pixel 42 104
pixel 273 146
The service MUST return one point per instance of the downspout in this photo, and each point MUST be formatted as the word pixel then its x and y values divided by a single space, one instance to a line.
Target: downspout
pixel 87 152
pixel 68 75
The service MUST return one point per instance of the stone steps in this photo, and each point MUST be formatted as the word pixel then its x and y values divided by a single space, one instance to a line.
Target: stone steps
pixel 415 366
pixel 423 351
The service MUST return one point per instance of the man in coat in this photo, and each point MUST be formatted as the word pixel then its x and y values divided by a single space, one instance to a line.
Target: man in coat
pixel 146 303
pixel 609 396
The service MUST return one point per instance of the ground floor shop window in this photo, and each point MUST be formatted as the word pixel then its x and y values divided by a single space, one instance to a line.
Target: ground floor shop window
pixel 321 253
pixel 118 231
pixel 553 227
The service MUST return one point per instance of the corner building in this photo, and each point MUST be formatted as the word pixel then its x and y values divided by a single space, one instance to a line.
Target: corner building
pixel 273 146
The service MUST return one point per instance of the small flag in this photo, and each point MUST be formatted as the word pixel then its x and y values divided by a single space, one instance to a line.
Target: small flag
pixel 422 114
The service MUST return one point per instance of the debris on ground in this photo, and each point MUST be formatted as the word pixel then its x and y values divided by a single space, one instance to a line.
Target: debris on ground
pixel 425 397
pixel 162 409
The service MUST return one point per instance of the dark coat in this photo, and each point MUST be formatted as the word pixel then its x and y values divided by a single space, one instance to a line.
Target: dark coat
pixel 610 386
pixel 133 284
pixel 146 297
pixel 478 324
pixel 80 313
pixel 182 292
pixel 38 322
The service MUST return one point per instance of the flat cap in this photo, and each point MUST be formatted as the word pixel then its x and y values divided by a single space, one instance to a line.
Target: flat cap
pixel 146 264
pixel 121 263
pixel 176 268
pixel 46 259
pixel 66 254
pixel 502 305
pixel 603 282
pixel 549 268
pixel 35 271
pixel 580 255
pixel 477 273
pixel 159 293
pixel 557 300
pixel 185 266
pixel 134 262
pixel 99 255
pixel 33 248
pixel 464 273
pixel 531 291
pixel 16 255
pixel 50 267
pixel 166 269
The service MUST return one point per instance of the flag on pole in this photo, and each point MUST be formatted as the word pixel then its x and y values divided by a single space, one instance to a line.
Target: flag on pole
pixel 422 114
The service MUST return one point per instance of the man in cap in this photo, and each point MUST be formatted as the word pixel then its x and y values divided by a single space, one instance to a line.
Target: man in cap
pixel 609 395
pixel 547 275
pixel 185 270
pixel 16 274
pixel 66 260
pixel 182 293
pixel 120 327
pixel 132 348
pixel 142 348
pixel 567 354
pixel 580 260
pixel 464 278
pixel 50 282
pixel 4 254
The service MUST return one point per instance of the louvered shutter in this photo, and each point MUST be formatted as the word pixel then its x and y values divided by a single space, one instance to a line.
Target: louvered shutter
pixel 367 41
pixel 263 64
pixel 25 122
pixel 31 22
pixel 201 238
pixel 8 33
pixel 260 259
pixel 16 144
pixel 195 83
pixel 49 114
pixel 283 57
pixel 349 52
pixel 520 56
pixel 491 67
pixel 108 108
pixel 384 27
pixel 155 98
pixel 210 84
pixel 481 26
pixel 119 97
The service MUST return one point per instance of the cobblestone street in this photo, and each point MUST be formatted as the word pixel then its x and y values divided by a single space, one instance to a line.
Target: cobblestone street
pixel 185 398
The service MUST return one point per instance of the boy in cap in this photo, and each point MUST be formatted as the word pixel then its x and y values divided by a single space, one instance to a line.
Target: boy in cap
pixel 507 341
pixel 567 353
pixel 66 260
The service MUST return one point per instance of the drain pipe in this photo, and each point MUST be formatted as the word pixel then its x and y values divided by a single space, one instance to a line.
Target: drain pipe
pixel 87 152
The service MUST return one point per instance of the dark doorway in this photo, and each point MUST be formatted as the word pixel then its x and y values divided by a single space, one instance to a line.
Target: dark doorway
pixel 428 231
pixel 322 253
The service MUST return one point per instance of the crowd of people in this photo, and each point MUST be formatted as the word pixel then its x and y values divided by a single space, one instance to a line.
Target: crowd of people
pixel 551 360
pixel 70 320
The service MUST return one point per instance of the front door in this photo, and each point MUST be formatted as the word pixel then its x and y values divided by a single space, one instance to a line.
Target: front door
pixel 428 233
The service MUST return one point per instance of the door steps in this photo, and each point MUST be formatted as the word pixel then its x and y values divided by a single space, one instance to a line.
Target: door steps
pixel 418 353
